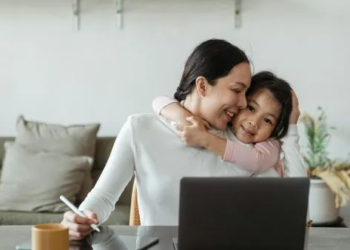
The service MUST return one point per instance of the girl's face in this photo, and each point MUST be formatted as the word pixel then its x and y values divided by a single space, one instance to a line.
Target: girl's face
pixel 256 122
pixel 223 100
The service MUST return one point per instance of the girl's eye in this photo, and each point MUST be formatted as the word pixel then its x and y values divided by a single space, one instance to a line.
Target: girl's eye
pixel 237 91
pixel 268 121
pixel 250 108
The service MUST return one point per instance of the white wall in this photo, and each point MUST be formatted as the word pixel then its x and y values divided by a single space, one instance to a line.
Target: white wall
pixel 50 72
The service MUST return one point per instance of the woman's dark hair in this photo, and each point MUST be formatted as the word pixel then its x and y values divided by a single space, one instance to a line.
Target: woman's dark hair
pixel 211 59
pixel 281 91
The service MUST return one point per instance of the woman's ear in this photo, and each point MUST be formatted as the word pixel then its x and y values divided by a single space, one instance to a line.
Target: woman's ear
pixel 201 86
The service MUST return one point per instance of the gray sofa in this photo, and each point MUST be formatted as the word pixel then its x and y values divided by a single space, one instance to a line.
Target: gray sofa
pixel 120 216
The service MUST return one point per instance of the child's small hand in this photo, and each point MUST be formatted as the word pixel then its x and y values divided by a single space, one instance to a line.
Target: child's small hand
pixel 193 119
pixel 195 134
pixel 294 116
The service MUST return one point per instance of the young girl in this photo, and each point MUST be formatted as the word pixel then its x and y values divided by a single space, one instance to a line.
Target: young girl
pixel 257 128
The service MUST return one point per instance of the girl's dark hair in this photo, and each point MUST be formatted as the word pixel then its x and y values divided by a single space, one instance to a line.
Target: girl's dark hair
pixel 281 90
pixel 211 59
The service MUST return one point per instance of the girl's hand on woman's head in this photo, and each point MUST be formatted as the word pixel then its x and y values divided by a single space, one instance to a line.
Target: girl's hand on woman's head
pixel 294 116
pixel 194 135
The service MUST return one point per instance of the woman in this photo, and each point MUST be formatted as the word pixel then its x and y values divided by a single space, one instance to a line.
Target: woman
pixel 218 75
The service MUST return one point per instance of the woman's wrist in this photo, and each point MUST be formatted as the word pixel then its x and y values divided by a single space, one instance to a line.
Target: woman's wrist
pixel 294 119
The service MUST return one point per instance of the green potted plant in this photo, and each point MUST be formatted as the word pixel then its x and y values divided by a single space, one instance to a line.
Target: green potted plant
pixel 330 182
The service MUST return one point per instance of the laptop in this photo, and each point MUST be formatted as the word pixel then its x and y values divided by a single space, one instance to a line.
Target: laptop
pixel 226 213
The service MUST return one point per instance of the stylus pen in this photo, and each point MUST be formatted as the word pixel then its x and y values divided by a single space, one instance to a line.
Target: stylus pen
pixel 75 210
pixel 149 245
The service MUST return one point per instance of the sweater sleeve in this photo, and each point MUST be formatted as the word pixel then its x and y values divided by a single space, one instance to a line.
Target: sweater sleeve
pixel 292 159
pixel 115 176
pixel 260 157
pixel 161 102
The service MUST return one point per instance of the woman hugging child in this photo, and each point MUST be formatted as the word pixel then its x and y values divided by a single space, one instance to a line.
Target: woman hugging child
pixel 269 118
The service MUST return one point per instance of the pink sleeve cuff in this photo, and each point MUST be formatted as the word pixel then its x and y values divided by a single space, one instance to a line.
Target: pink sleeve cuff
pixel 228 156
pixel 161 102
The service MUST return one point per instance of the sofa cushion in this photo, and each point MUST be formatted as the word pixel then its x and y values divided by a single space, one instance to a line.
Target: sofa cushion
pixel 75 140
pixel 120 216
pixel 103 149
pixel 33 180
pixel 28 218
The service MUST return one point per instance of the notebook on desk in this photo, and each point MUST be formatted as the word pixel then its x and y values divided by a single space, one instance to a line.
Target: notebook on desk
pixel 242 213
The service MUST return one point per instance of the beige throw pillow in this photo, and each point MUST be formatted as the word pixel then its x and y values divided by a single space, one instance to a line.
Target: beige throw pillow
pixel 75 140
pixel 72 140
pixel 33 181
